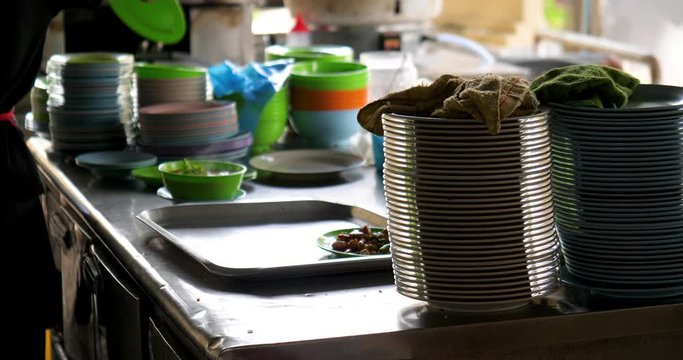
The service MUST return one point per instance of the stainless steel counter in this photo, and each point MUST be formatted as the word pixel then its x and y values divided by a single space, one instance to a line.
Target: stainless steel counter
pixel 358 315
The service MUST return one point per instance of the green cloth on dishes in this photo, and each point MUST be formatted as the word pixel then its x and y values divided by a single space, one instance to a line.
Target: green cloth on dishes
pixel 488 98
pixel 585 85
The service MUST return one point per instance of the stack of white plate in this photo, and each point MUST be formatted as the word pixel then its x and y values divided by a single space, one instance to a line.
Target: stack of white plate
pixel 617 176
pixel 197 129
pixel 470 213
pixel 90 101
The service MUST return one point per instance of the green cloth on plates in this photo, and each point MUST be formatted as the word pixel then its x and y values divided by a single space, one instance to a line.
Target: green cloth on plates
pixel 585 85
pixel 489 99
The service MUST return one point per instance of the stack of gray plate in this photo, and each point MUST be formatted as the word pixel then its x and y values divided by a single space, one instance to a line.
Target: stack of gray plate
pixel 470 213
pixel 90 101
pixel 617 176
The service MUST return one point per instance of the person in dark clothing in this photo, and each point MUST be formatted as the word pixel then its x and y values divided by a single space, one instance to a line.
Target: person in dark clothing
pixel 35 287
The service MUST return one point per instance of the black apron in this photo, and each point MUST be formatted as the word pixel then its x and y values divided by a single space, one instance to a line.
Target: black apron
pixel 34 287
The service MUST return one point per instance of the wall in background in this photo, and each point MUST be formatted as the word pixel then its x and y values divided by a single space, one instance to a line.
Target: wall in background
pixel 654 25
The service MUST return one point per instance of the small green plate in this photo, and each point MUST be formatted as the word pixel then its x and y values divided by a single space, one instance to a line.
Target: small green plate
pixel 164 193
pixel 325 242
pixel 150 175
pixel 159 20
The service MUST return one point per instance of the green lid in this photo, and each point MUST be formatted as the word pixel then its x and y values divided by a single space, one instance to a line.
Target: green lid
pixel 156 20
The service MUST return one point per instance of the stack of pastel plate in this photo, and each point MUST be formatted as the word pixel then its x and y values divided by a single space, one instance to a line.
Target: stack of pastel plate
pixel 617 176
pixel 199 129
pixel 90 102
pixel 470 213
pixel 160 83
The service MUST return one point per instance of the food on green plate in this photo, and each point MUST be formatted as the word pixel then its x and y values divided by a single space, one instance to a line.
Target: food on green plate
pixel 363 241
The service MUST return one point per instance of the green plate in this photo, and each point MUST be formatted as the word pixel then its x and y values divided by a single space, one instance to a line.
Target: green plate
pixel 310 53
pixel 150 175
pixel 164 193
pixel 325 242
pixel 165 71
pixel 158 20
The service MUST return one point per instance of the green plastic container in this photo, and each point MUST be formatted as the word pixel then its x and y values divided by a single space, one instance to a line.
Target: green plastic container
pixel 159 20
pixel 329 75
pixel 267 125
pixel 202 187
pixel 310 53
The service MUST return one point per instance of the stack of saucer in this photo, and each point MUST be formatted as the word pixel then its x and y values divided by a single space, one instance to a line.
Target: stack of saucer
pixel 617 176
pixel 470 213
pixel 90 102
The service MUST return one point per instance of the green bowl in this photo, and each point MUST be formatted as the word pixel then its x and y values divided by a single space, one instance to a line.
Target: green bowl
pixel 329 75
pixel 163 71
pixel 309 53
pixel 202 187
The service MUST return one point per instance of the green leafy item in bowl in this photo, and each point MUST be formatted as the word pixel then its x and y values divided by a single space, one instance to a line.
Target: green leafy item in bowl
pixel 191 168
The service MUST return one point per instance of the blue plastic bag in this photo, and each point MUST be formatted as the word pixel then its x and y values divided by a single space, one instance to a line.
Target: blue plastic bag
pixel 255 83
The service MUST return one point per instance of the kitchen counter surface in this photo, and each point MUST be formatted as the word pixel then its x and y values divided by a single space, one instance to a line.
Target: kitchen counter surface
pixel 343 316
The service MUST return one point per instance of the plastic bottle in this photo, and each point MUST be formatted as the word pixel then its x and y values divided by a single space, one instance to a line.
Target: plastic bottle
pixel 300 34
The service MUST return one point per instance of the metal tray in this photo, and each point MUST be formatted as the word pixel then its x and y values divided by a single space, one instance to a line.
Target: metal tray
pixel 264 239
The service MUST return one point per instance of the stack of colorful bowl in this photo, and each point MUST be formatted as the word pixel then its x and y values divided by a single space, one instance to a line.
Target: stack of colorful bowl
pixel 90 101
pixel 470 213
pixel 160 83
pixel 325 99
pixel 200 130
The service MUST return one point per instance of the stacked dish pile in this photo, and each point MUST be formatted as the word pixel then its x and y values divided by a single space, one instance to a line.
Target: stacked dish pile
pixel 470 214
pixel 160 83
pixel 617 176
pixel 90 101
pixel 205 130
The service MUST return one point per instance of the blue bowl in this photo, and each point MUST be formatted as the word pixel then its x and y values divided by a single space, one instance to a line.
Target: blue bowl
pixel 326 129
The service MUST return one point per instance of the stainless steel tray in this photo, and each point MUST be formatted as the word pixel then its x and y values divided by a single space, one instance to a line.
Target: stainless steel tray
pixel 264 239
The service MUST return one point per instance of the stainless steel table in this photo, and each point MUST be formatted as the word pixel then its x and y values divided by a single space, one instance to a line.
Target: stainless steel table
pixel 343 316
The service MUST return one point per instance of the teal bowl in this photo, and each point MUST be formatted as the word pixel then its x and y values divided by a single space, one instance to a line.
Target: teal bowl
pixel 202 180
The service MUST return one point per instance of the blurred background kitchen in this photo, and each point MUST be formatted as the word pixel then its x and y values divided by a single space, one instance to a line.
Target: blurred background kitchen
pixel 532 34
pixel 515 37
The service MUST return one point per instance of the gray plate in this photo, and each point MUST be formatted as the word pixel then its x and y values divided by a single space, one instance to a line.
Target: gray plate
pixel 305 164
pixel 281 234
